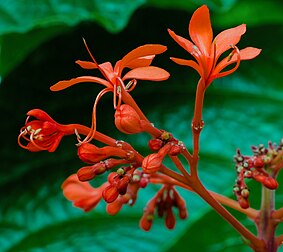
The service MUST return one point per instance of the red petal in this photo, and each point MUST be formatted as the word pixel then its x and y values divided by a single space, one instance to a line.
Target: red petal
pixel 40 115
pixel 68 83
pixel 229 37
pixel 245 54
pixel 141 62
pixel 200 29
pixel 147 73
pixel 141 51
pixel 107 70
pixel 189 63
pixel 86 64
pixel 186 44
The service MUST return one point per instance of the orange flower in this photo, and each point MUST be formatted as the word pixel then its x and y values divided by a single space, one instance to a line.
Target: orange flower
pixel 82 194
pixel 207 51
pixel 43 133
pixel 138 61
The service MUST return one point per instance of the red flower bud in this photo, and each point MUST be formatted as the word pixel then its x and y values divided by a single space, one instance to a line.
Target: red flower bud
pixel 176 149
pixel 111 177
pixel 110 193
pixel 146 221
pixel 122 185
pixel 258 162
pixel 114 207
pixel 183 213
pixel 155 144
pixel 144 182
pixel 170 219
pixel 244 203
pixel 90 154
pixel 270 183
pixel 89 172
pixel 152 163
pixel 127 120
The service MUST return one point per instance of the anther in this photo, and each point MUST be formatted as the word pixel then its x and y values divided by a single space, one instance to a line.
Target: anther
pixel 37 131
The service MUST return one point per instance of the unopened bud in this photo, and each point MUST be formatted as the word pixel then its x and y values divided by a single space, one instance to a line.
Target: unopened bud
pixel 170 219
pixel 152 163
pixel 122 185
pixel 258 162
pixel 270 183
pixel 244 203
pixel 127 120
pixel 176 149
pixel 90 154
pixel 89 172
pixel 146 221
pixel 155 144
pixel 110 194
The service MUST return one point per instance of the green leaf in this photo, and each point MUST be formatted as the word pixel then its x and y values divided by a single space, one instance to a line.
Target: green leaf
pixel 30 24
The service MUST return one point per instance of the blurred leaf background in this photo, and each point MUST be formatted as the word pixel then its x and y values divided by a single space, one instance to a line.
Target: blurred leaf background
pixel 39 42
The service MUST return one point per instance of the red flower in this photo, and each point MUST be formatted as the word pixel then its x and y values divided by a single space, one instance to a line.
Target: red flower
pixel 207 51
pixel 138 60
pixel 82 194
pixel 43 133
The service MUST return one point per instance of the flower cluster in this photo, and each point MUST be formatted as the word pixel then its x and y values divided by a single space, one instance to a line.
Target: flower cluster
pixel 162 203
pixel 128 170
pixel 263 167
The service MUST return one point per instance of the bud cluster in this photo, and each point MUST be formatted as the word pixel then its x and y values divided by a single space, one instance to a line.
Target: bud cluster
pixel 258 167
pixel 162 203
pixel 120 180
pixel 164 145
pixel 138 180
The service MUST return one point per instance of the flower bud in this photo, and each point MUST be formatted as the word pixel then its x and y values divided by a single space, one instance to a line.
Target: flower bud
pixel 155 144
pixel 90 154
pixel 110 193
pixel 176 149
pixel 122 185
pixel 114 207
pixel 89 172
pixel 144 181
pixel 127 120
pixel 152 163
pixel 244 203
pixel 170 219
pixel 258 162
pixel 270 183
pixel 146 221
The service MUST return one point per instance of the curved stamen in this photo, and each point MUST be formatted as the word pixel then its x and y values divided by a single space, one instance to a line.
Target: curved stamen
pixel 237 51
pixel 131 85
pixel 32 135
pixel 22 134
pixel 92 131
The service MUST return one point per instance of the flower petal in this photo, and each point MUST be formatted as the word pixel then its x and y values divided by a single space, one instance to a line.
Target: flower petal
pixel 147 73
pixel 68 83
pixel 200 30
pixel 141 51
pixel 141 62
pixel 245 54
pixel 87 64
pixel 107 70
pixel 189 63
pixel 40 115
pixel 228 37
pixel 185 43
